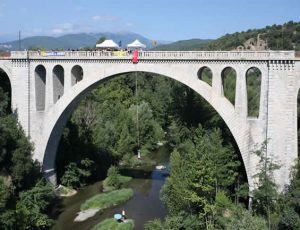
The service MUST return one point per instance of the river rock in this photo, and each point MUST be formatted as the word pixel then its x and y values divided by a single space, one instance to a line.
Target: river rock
pixel 83 215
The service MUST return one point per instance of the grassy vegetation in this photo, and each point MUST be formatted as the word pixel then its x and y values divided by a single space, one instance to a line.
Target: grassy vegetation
pixel 112 224
pixel 106 200
pixel 122 179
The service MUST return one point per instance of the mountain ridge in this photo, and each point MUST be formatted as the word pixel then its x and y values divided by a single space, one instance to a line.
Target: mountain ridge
pixel 278 37
pixel 74 41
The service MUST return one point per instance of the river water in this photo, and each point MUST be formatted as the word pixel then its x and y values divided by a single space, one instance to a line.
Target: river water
pixel 145 204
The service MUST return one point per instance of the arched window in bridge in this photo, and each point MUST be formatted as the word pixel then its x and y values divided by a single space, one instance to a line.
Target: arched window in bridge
pixel 229 83
pixel 40 87
pixel 205 74
pixel 58 83
pixel 253 81
pixel 76 74
pixel 5 93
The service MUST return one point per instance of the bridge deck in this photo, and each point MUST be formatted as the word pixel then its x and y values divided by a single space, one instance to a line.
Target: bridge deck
pixel 155 55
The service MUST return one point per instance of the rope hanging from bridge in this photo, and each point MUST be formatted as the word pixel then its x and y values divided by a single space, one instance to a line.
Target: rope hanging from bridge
pixel 137 116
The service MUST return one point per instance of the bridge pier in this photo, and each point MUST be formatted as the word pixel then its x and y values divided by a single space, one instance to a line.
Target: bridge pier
pixel 50 175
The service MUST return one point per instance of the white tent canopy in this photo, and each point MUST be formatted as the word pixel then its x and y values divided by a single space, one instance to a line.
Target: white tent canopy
pixel 136 45
pixel 107 44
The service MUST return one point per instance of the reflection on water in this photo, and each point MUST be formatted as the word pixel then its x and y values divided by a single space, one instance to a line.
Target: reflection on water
pixel 145 205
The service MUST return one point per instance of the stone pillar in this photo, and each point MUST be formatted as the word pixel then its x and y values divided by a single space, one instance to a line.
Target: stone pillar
pixel 217 81
pixel 50 175
pixel 282 119
pixel 49 87
pixel 20 93
pixel 68 78
pixel 241 107
pixel 250 201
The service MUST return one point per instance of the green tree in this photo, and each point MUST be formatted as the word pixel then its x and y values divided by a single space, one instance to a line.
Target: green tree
pixel 85 170
pixel 173 193
pixel 32 205
pixel 155 224
pixel 100 40
pixel 15 154
pixel 289 202
pixel 204 167
pixel 265 196
pixel 244 220
pixel 7 215
pixel 71 177
pixel 4 193
pixel 113 178
pixel 230 216
pixel 175 222
pixel 3 102
pixel 23 201
pixel 289 219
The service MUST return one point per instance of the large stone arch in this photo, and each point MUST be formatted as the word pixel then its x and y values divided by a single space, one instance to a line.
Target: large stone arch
pixel 4 66
pixel 57 116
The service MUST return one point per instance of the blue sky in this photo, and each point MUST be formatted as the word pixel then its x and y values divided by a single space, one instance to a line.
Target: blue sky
pixel 169 20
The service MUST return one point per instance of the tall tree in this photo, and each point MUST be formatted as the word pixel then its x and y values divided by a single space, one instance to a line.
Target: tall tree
pixel 265 196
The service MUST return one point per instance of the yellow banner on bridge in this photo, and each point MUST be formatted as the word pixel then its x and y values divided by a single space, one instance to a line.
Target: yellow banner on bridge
pixel 120 53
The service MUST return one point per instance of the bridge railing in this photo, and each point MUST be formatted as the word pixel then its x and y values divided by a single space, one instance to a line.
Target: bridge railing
pixel 157 55
pixel 219 55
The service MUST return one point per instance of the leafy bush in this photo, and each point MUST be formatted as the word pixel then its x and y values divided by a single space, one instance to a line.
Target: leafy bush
pixel 113 178
pixel 106 200
pixel 113 224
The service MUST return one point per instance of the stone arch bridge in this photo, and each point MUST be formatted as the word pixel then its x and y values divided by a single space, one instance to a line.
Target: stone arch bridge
pixel 47 87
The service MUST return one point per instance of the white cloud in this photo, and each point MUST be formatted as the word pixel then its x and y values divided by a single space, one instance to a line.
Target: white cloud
pixel 67 28
pixel 63 28
pixel 129 24
pixel 104 18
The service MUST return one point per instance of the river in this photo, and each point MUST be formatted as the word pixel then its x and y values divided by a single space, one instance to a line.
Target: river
pixel 145 204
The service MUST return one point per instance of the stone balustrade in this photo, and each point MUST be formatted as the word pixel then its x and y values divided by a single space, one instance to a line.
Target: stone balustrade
pixel 155 55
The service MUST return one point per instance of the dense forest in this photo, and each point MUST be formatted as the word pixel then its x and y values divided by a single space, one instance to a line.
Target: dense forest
pixel 279 37
pixel 207 187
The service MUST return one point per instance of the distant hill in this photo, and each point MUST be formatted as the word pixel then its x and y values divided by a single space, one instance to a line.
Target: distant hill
pixel 279 37
pixel 192 44
pixel 73 41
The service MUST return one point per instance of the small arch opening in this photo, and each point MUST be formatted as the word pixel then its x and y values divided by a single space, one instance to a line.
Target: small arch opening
pixel 76 74
pixel 229 83
pixel 253 82
pixel 205 74
pixel 58 83
pixel 40 87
